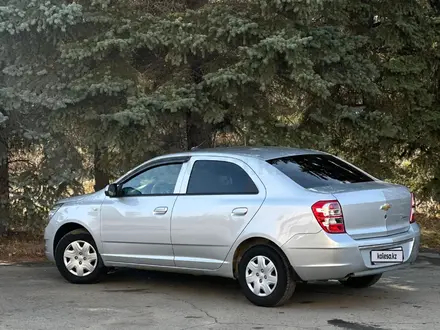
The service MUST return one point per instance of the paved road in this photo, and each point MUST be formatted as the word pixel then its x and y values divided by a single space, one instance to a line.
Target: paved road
pixel 35 297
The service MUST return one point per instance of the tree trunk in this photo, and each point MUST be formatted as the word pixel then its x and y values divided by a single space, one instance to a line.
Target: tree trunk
pixel 101 175
pixel 4 186
pixel 198 132
pixel 195 4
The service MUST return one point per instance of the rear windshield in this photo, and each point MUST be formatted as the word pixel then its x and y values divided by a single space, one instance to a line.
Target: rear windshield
pixel 313 171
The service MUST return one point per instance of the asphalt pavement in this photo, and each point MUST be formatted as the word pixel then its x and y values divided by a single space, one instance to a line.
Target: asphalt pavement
pixel 34 296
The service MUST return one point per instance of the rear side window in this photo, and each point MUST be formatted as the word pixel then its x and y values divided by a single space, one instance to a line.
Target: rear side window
pixel 313 171
pixel 210 177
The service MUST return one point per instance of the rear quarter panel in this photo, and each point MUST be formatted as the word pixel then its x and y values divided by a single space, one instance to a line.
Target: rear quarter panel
pixel 286 211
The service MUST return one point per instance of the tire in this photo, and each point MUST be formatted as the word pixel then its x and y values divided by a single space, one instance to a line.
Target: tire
pixel 277 294
pixel 361 282
pixel 76 244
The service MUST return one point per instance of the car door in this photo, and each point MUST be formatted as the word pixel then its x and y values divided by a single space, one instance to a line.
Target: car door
pixel 219 197
pixel 135 227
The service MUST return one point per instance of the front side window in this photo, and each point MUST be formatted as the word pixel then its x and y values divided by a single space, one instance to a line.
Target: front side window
pixel 210 177
pixel 160 180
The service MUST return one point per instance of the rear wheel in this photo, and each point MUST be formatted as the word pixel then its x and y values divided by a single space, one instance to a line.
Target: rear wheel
pixel 77 258
pixel 361 282
pixel 265 277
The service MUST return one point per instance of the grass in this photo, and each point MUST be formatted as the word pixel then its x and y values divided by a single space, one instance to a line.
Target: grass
pixel 22 247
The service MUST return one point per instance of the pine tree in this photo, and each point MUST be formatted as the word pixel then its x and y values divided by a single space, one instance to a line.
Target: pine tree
pixel 121 81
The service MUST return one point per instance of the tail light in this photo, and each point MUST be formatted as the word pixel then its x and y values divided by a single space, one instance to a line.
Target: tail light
pixel 412 217
pixel 329 216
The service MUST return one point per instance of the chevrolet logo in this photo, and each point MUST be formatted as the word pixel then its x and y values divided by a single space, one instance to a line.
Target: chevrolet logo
pixel 385 207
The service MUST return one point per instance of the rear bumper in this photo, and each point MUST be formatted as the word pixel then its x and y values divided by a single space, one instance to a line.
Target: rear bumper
pixel 324 256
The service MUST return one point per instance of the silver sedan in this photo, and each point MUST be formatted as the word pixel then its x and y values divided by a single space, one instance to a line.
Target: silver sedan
pixel 268 217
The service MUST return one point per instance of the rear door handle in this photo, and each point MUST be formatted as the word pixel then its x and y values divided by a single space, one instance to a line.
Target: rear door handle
pixel 240 211
pixel 160 210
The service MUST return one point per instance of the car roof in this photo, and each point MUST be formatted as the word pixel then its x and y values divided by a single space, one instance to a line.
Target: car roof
pixel 264 153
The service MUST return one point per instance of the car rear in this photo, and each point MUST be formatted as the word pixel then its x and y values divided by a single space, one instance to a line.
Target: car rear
pixel 368 226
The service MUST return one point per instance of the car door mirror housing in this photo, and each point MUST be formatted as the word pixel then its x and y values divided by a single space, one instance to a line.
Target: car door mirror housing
pixel 112 190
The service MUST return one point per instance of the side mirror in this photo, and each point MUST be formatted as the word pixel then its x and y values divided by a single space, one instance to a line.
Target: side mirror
pixel 112 190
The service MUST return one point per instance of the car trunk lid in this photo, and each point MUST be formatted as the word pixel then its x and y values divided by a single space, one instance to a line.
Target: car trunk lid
pixel 373 209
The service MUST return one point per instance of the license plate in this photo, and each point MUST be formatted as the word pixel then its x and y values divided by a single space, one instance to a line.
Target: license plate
pixel 387 256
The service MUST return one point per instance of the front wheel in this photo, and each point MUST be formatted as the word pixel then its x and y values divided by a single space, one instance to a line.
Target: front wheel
pixel 265 277
pixel 361 282
pixel 77 258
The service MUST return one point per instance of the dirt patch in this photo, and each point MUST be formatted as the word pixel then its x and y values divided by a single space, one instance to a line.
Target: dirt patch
pixel 430 226
pixel 21 247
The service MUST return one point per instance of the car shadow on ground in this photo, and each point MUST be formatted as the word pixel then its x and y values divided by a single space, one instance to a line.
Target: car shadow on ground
pixel 323 294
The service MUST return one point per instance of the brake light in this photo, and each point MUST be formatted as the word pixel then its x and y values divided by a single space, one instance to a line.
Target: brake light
pixel 329 216
pixel 412 217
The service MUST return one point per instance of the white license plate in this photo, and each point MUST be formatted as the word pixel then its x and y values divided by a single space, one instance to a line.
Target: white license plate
pixel 387 256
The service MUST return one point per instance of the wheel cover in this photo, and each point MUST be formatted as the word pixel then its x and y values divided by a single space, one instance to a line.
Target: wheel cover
pixel 261 276
pixel 80 258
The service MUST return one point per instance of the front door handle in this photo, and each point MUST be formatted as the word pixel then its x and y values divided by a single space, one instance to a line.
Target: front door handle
pixel 160 210
pixel 240 211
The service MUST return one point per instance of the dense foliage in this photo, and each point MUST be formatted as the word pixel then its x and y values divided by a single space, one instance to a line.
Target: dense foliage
pixel 89 89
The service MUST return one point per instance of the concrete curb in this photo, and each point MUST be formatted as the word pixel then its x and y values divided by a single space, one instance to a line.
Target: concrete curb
pixel 26 263
pixel 429 251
